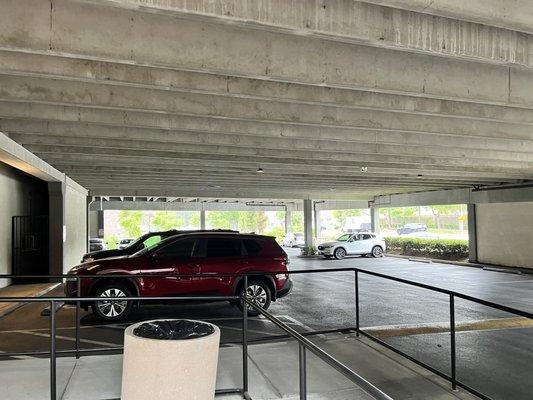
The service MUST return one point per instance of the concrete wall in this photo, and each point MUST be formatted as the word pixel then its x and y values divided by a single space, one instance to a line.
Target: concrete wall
pixel 504 233
pixel 75 244
pixel 19 195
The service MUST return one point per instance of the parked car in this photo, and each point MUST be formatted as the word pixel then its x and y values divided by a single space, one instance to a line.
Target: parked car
pixel 146 240
pixel 124 243
pixel 190 253
pixel 96 244
pixel 353 243
pixel 410 228
pixel 294 240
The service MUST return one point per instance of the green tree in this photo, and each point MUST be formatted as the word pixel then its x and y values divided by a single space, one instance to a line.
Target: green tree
pixel 130 221
pixel 223 219
pixel 297 221
pixel 165 220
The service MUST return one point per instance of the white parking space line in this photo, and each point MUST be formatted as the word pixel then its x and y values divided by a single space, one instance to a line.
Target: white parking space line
pixel 99 343
pixel 18 357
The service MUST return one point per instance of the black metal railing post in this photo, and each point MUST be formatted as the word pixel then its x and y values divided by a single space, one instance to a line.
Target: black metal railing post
pixel 303 373
pixel 452 342
pixel 52 350
pixel 245 336
pixel 356 284
pixel 78 294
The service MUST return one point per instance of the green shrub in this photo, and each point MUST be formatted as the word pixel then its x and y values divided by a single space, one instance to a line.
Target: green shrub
pixel 444 249
pixel 308 251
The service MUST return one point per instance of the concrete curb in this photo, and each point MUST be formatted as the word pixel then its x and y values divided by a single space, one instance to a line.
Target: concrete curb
pixel 14 306
pixel 489 267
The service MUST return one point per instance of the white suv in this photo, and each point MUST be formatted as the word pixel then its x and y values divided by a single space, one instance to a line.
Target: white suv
pixel 353 243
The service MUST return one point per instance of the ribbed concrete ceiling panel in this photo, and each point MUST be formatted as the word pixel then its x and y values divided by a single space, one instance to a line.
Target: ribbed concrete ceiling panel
pixel 342 100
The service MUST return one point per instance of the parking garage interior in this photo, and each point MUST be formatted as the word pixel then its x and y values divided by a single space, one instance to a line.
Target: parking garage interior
pixel 273 106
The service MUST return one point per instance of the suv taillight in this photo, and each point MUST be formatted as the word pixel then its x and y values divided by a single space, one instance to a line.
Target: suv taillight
pixel 284 259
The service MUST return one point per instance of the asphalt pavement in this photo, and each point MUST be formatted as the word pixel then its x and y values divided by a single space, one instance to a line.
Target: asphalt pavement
pixel 492 358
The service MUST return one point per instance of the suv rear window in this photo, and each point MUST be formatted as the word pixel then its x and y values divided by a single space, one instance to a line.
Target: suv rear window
pixel 251 246
pixel 223 247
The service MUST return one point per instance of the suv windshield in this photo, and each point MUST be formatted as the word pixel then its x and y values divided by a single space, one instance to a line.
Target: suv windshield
pixel 344 238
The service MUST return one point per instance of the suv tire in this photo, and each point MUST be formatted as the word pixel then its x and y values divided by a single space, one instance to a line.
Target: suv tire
pixel 260 293
pixel 339 253
pixel 377 251
pixel 112 310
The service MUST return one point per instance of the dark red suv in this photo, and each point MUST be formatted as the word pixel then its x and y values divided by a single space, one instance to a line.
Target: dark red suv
pixel 192 253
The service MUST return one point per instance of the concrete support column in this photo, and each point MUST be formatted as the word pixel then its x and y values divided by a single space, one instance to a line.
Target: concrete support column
pixel 202 219
pixel 88 219
pixel 56 225
pixel 374 219
pixel 288 221
pixel 472 233
pixel 100 227
pixel 308 222
pixel 317 223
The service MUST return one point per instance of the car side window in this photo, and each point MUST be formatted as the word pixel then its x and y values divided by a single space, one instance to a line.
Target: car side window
pixel 181 249
pixel 223 247
pixel 366 237
pixel 151 241
pixel 251 246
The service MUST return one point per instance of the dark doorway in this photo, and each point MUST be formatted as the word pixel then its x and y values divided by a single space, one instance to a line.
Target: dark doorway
pixel 30 247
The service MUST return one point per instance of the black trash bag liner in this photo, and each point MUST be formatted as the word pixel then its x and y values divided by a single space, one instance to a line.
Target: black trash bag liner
pixel 178 329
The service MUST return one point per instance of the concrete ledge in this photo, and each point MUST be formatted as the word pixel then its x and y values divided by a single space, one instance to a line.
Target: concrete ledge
pixel 489 267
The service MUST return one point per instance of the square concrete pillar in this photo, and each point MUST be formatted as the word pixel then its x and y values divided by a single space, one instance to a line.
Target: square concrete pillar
pixel 374 219
pixel 308 222
pixel 318 226
pixel 56 225
pixel 202 219
pixel 472 233
pixel 288 221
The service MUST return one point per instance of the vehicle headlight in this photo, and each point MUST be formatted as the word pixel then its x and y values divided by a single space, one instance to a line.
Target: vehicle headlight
pixel 327 247
pixel 87 259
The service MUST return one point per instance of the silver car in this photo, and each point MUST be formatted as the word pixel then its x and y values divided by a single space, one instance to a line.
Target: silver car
pixel 367 243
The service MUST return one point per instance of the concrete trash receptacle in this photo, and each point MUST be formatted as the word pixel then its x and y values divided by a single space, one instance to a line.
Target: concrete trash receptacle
pixel 170 359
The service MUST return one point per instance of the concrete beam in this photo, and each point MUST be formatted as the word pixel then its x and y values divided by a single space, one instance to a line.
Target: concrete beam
pixel 456 196
pixel 12 153
pixel 407 26
pixel 515 15
pixel 196 206
pixel 293 59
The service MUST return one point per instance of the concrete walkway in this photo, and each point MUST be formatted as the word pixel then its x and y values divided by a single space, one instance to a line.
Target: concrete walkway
pixel 273 374
pixel 29 290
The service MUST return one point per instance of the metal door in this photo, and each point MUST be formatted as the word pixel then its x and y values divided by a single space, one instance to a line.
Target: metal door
pixel 29 247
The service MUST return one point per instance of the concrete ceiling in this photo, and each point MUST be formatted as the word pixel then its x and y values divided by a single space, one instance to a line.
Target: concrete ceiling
pixel 336 99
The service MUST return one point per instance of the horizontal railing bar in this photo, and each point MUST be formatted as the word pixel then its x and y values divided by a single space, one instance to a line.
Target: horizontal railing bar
pixel 63 352
pixel 347 372
pixel 117 348
pixel 486 303
pixel 125 298
pixel 158 275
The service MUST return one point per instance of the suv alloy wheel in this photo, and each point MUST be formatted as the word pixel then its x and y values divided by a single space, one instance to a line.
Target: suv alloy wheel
pixel 112 310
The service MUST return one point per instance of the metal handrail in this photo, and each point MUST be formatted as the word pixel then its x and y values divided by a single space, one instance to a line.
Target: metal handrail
pixel 244 391
pixel 306 344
